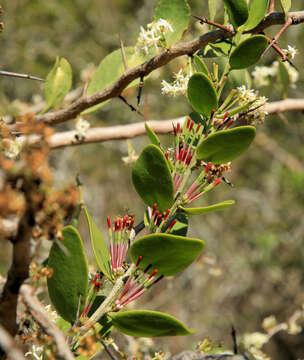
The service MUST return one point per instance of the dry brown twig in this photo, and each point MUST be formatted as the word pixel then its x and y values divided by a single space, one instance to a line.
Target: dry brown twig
pixel 9 346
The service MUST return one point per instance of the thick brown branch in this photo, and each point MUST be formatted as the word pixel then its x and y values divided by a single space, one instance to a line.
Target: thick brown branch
pixel 160 60
pixel 40 315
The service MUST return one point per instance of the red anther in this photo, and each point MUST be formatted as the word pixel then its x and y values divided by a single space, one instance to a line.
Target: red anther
pixel 156 213
pixel 189 159
pixel 139 260
pixel 109 222
pixel 188 122
pixel 125 219
pixel 197 128
pixel 217 181
pixel 153 274
pixel 131 224
pixel 220 125
pixel 229 123
pixel 191 126
pixel 154 208
pixel 172 224
pixel 209 180
pixel 167 214
pixel 178 127
pixel 175 130
pixel 185 155
pixel 208 167
pixel 180 156
pixel 116 225
pixel 167 155
pixel 119 224
pixel 226 115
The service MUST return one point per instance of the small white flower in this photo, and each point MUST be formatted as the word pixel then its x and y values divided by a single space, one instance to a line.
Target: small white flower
pixel 179 85
pixel 290 51
pixel 153 36
pixel 261 75
pixel 293 73
pixel 14 148
pixel 82 127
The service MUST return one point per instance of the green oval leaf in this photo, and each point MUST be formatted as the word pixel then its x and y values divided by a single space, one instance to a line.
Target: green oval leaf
pixel 152 178
pixel 207 209
pixel 109 70
pixel 257 12
pixel 284 78
pixel 237 10
pixel 248 52
pixel 200 65
pixel 180 227
pixel 212 7
pixel 177 13
pixel 169 254
pixel 225 145
pixel 99 246
pixel 70 276
pixel 286 5
pixel 201 94
pixel 58 83
pixel 152 136
pixel 143 323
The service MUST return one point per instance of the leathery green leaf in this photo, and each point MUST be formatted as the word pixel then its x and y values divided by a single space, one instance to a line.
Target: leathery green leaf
pixel 248 52
pixel 144 323
pixel 109 70
pixel 212 7
pixel 169 254
pixel 152 178
pixel 201 94
pixel 237 10
pixel 151 135
pixel 200 65
pixel 69 281
pixel 58 83
pixel 257 12
pixel 177 13
pixel 99 246
pixel 286 5
pixel 207 209
pixel 225 145
pixel 284 78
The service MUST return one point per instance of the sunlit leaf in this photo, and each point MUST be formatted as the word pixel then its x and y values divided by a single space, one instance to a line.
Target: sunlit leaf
pixel 58 83
pixel 248 52
pixel 177 13
pixel 212 6
pixel 152 178
pixel 151 135
pixel 258 10
pixel 226 145
pixel 200 65
pixel 284 78
pixel 286 5
pixel 237 10
pixel 69 281
pixel 207 209
pixel 144 323
pixel 99 246
pixel 169 254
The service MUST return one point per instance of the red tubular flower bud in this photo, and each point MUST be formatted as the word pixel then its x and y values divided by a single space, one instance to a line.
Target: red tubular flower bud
pixel 178 127
pixel 131 224
pixel 119 224
pixel 188 122
pixel 153 274
pixel 229 123
pixel 167 214
pixel 226 115
pixel 95 278
pixel 191 125
pixel 217 181
pixel 167 155
pixel 154 209
pixel 147 268
pixel 197 128
pixel 116 225
pixel 175 130
pixel 172 224
pixel 125 219
pixel 139 260
pixel 109 222
pixel 189 159
pixel 181 154
pixel 210 179
pixel 208 167
pixel 185 155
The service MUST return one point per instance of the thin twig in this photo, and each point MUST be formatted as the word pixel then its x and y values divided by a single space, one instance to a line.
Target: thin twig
pixel 22 76
pixel 204 20
pixel 130 105
pixel 41 316
pixel 8 345
pixel 107 349
pixel 276 38
pixel 140 88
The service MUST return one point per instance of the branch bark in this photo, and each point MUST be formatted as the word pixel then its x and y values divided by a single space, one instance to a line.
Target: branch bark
pixel 8 345
pixel 160 60
pixel 40 315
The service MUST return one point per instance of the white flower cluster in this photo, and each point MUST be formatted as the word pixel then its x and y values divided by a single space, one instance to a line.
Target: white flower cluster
pixel 290 51
pixel 256 111
pixel 153 36
pixel 82 127
pixel 13 148
pixel 179 85
pixel 262 74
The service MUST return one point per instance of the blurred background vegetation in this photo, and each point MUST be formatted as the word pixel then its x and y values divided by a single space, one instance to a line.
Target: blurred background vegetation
pixel 253 263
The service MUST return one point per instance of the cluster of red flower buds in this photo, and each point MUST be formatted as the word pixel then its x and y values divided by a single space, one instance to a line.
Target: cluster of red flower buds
pixel 119 240
pixel 158 220
pixel 137 284
pixel 224 123
pixel 93 290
